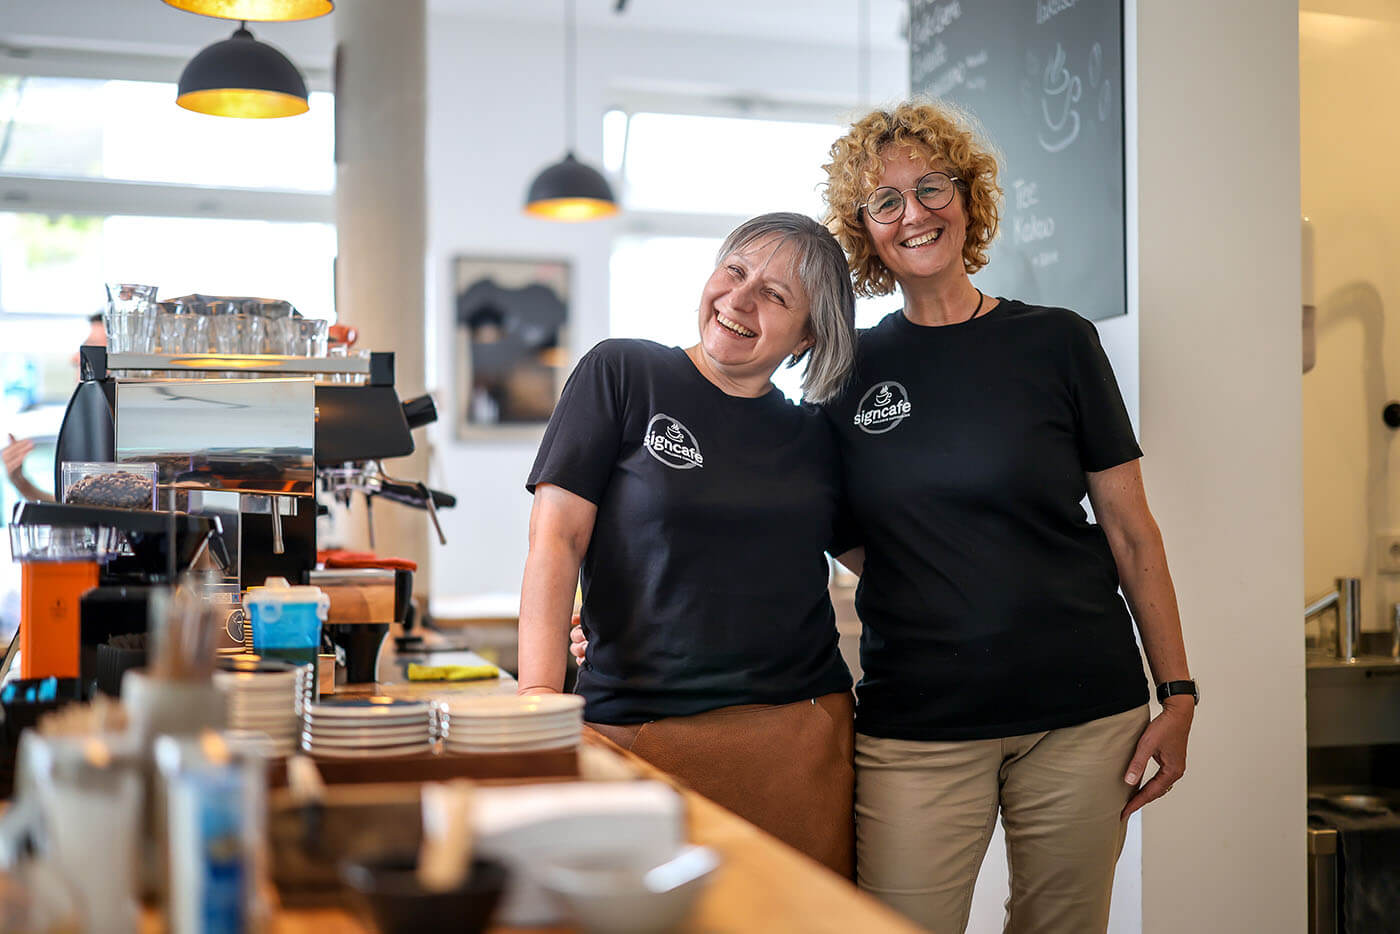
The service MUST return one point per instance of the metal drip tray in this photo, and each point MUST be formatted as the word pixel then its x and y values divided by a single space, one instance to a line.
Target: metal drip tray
pixel 1356 802
pixel 1361 805
pixel 1361 802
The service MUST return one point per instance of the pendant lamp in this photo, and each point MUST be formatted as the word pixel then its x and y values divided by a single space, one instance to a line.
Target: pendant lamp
pixel 256 11
pixel 570 190
pixel 242 77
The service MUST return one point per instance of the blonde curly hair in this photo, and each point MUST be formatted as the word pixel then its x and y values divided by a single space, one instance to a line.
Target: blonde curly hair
pixel 937 131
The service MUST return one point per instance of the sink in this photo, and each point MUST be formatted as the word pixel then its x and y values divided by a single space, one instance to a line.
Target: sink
pixel 1354 703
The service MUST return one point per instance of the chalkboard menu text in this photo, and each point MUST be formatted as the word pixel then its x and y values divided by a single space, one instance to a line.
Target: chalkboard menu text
pixel 1045 80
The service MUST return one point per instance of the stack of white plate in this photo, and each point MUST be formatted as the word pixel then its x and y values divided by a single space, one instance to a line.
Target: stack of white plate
pixel 508 723
pixel 262 697
pixel 367 728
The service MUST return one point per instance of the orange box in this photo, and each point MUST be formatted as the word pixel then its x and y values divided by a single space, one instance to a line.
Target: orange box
pixel 48 626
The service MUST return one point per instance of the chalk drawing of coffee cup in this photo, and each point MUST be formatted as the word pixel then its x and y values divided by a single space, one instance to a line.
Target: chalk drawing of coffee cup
pixel 1060 92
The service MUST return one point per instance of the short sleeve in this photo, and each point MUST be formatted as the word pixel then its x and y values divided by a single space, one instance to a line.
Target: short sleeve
pixel 581 444
pixel 845 531
pixel 845 534
pixel 1103 431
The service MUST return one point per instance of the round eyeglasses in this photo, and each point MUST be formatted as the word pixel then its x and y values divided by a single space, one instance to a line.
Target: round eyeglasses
pixel 934 191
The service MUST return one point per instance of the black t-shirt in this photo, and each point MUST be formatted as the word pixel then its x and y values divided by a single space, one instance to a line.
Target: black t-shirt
pixel 990 603
pixel 705 582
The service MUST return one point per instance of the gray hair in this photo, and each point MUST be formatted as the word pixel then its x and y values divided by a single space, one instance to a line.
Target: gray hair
pixel 821 267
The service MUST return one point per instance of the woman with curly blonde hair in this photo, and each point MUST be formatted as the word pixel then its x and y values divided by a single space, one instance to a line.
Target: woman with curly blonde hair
pixel 1001 672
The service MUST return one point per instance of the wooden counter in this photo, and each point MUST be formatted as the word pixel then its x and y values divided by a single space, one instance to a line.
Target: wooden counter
pixel 762 885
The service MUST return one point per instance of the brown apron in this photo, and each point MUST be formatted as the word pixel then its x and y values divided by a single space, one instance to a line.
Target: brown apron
pixel 786 768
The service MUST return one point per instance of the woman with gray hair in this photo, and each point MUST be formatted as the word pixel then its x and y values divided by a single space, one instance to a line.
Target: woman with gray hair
pixel 698 502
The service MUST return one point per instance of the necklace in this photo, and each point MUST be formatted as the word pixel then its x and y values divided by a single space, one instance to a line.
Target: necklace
pixel 980 298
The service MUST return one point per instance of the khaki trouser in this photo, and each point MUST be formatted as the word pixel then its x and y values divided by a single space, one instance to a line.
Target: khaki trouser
pixel 925 811
pixel 785 768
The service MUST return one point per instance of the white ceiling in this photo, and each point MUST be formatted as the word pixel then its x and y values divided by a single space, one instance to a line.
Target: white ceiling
pixel 145 27
pixel 833 22
pixel 151 27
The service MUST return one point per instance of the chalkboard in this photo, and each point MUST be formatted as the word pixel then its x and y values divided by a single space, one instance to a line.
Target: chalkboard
pixel 1045 79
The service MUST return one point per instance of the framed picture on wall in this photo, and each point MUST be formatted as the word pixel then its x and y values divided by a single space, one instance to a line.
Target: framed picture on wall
pixel 512 326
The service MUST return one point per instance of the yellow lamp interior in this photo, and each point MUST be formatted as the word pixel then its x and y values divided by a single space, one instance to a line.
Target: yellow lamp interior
pixel 256 11
pixel 571 209
pixel 243 102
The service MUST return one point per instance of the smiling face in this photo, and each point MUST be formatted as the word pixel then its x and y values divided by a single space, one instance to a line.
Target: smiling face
pixel 754 311
pixel 922 245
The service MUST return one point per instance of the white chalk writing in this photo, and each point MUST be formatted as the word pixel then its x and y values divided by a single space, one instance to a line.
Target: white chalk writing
pixel 1031 228
pixel 1026 194
pixel 952 78
pixel 928 62
pixel 1046 10
pixel 938 17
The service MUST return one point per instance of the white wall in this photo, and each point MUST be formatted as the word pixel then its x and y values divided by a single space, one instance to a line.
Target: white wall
pixel 1221 399
pixel 474 136
pixel 1350 191
pixel 495 119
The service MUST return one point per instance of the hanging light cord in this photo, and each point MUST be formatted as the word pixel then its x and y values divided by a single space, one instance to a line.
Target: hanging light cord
pixel 863 55
pixel 570 40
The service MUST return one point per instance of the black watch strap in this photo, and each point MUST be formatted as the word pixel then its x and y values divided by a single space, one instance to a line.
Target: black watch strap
pixel 1170 688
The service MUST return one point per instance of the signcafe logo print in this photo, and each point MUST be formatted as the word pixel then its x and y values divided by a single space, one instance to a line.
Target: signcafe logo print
pixel 672 443
pixel 882 407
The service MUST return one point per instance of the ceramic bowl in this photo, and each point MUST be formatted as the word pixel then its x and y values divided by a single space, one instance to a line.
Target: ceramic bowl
pixel 620 894
pixel 387 890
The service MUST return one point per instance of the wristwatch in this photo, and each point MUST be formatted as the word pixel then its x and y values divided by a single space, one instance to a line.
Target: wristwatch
pixel 1169 688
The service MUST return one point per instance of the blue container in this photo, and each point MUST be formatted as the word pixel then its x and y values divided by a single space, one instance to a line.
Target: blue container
pixel 286 622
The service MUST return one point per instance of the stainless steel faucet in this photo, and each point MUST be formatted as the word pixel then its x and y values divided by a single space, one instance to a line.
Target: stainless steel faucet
pixel 1347 599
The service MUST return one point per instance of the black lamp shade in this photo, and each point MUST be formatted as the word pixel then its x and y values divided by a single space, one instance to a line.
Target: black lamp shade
pixel 242 77
pixel 256 11
pixel 570 191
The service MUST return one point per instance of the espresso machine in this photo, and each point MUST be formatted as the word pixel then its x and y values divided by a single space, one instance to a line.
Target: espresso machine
pixel 240 441
pixel 215 434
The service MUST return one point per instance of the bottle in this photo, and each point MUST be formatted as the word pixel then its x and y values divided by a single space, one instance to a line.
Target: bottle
pixel 216 850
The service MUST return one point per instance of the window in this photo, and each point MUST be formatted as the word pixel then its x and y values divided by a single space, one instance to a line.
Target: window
pixel 687 180
pixel 724 165
pixel 656 283
pixel 108 180
pixel 133 131
pixel 118 183
pixel 57 264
